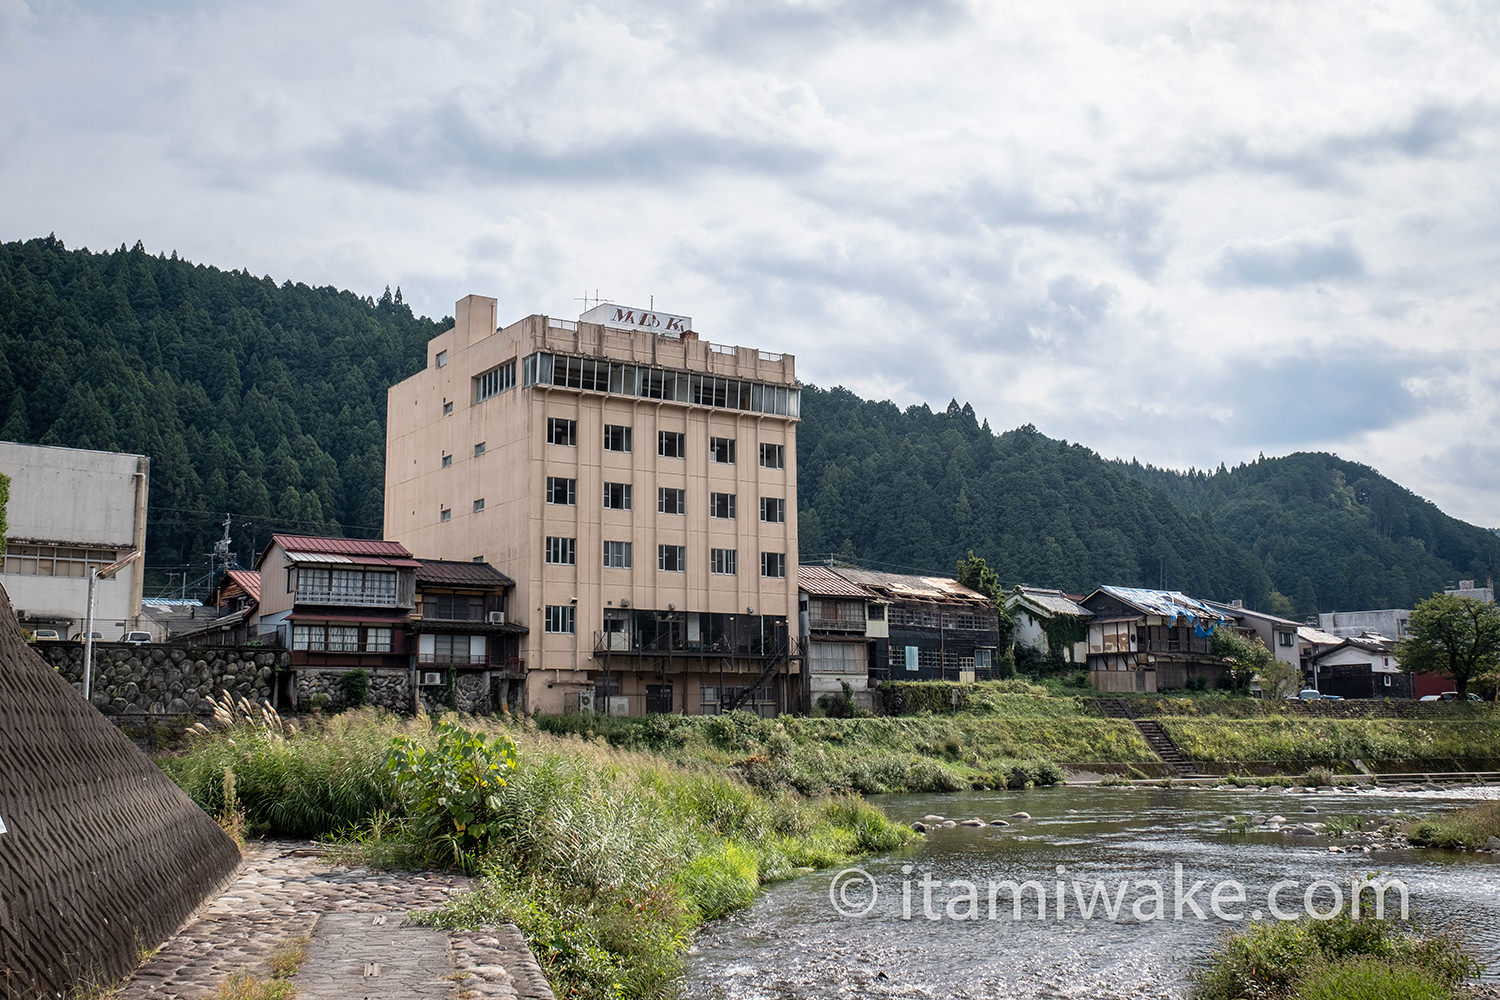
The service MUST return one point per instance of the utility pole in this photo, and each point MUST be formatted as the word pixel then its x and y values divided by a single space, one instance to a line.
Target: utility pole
pixel 88 625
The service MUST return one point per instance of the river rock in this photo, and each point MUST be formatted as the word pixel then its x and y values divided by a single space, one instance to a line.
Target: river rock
pixel 1303 830
pixel 1276 819
pixel 1001 822
pixel 972 822
pixel 930 818
pixel 1493 844
pixel 948 824
pixel 919 826
pixel 1309 809
pixel 1020 815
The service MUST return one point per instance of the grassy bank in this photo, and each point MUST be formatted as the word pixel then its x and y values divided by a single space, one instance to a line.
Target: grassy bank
pixel 1303 742
pixel 606 858
pixel 933 753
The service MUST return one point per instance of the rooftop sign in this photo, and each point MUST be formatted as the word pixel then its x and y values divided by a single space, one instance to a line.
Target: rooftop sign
pixel 625 317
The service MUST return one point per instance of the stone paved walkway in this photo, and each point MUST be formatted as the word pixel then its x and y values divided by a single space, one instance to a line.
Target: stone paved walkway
pixel 357 945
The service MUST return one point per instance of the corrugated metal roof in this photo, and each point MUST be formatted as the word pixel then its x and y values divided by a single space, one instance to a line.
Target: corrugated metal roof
pixel 1317 636
pixel 1167 603
pixel 1052 601
pixel 823 582
pixel 919 588
pixel 452 573
pixel 248 580
pixel 342 546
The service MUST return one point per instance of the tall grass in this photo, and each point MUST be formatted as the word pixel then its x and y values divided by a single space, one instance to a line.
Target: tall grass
pixel 606 858
pixel 1470 827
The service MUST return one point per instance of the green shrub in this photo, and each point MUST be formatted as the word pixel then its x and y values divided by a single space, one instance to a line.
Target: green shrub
pixel 721 880
pixel 355 686
pixel 451 788
pixel 1272 959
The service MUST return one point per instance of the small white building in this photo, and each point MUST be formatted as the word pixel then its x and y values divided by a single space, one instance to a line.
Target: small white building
pixel 1032 607
pixel 72 511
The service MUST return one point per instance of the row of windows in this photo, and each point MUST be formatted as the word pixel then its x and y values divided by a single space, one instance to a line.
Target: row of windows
pixel 600 375
pixel 669 558
pixel 669 444
pixel 920 657
pixel 341 639
pixel 494 381
pixel 563 491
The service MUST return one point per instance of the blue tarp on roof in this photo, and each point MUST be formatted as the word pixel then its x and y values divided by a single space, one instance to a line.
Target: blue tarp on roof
pixel 1171 605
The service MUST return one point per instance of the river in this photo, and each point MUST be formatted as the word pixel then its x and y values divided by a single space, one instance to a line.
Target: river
pixel 792 942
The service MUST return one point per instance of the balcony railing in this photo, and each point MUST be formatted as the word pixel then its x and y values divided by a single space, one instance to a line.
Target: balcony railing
pixel 340 596
pixel 837 624
pixel 450 660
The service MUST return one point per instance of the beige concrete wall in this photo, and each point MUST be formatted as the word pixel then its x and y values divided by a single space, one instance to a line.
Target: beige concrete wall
pixel 511 475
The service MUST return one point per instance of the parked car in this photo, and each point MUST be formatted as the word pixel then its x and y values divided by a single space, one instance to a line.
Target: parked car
pixel 136 638
pixel 1333 697
pixel 45 635
pixel 1309 694
pixel 1448 696
pixel 97 636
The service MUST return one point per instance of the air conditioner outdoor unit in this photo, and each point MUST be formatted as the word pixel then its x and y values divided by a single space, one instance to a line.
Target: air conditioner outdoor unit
pixel 619 705
pixel 586 700
pixel 432 678
pixel 495 618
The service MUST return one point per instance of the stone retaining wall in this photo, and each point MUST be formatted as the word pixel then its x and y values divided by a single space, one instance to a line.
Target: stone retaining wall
pixel 167 680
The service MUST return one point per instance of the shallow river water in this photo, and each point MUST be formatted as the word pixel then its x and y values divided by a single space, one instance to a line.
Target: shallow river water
pixel 793 942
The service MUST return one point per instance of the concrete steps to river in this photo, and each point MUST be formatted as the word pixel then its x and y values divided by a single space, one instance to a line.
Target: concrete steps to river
pixel 1155 735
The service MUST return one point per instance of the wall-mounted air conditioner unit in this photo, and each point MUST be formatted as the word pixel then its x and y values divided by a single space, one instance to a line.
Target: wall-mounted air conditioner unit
pixel 495 617
pixel 586 700
pixel 432 678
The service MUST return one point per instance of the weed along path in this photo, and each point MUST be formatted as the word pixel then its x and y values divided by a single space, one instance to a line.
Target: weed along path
pixel 291 924
pixel 919 924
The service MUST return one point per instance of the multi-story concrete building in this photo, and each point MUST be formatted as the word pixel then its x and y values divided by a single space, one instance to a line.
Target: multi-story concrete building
pixel 638 484
pixel 73 512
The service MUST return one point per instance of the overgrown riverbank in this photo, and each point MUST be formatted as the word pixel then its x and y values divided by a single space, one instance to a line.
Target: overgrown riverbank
pixel 606 858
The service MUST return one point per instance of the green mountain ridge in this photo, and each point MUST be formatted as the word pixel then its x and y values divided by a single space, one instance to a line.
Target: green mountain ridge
pixel 267 401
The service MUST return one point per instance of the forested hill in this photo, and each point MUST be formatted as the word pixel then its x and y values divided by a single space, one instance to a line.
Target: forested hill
pixel 262 399
pixel 917 489
pixel 1331 533
pixel 267 401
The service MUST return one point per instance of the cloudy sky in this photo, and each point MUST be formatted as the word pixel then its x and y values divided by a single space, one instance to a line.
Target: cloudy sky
pixel 1188 233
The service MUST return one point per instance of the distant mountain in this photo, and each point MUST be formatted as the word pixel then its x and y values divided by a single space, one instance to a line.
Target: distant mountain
pixel 262 399
pixel 1334 534
pixel 916 489
pixel 267 400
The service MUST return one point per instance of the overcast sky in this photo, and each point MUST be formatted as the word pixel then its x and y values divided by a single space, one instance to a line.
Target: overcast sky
pixel 1187 233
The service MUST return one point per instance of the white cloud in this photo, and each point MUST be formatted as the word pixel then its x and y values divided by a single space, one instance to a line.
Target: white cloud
pixel 1182 232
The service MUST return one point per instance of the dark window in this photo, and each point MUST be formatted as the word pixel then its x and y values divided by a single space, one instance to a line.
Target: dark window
pixel 670 500
pixel 773 510
pixel 721 505
pixel 671 444
pixel 773 456
pixel 617 496
pixel 561 551
pixel 562 431
pixel 723 561
pixel 671 558
pixel 616 437
pixel 773 564
pixel 561 490
pixel 721 450
pixel 617 555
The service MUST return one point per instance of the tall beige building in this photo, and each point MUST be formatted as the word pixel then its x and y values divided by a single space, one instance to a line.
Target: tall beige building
pixel 638 483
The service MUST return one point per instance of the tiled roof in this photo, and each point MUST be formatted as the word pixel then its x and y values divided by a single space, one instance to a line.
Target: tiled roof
pixel 452 573
pixel 824 582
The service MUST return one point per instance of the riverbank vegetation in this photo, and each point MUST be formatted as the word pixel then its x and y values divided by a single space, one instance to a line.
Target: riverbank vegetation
pixel 1013 741
pixel 1469 828
pixel 606 858
pixel 1342 958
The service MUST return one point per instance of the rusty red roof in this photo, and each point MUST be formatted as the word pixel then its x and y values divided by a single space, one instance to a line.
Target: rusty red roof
pixel 362 550
pixel 248 580
pixel 451 573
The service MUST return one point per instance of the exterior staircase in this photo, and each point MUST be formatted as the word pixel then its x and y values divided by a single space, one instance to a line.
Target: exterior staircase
pixel 1153 732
